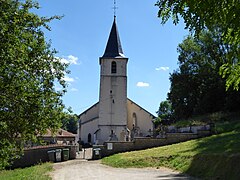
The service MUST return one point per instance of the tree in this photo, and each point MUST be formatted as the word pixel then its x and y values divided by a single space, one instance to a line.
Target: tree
pixel 221 16
pixel 165 111
pixel 196 87
pixel 69 123
pixel 29 102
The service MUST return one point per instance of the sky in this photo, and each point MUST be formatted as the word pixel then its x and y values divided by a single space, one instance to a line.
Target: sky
pixel 80 38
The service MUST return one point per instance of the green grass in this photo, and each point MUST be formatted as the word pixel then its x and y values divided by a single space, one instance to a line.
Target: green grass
pixel 38 172
pixel 213 157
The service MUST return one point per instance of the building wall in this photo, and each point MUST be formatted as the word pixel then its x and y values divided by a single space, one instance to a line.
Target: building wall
pixel 113 92
pixel 143 118
pixel 105 133
pixel 113 98
pixel 89 128
pixel 89 114
pixel 113 101
pixel 88 123
pixel 106 64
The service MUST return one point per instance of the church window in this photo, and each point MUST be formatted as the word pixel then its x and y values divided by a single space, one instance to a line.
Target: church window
pixel 114 67
pixel 134 118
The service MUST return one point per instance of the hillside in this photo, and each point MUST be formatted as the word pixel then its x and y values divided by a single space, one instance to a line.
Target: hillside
pixel 212 157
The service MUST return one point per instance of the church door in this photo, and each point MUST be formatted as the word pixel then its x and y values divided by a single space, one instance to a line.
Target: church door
pixel 89 138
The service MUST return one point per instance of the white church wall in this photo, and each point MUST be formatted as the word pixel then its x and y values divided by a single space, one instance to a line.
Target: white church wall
pixel 106 64
pixel 113 101
pixel 89 114
pixel 105 101
pixel 113 92
pixel 89 122
pixel 89 128
pixel 119 132
pixel 143 118
pixel 120 100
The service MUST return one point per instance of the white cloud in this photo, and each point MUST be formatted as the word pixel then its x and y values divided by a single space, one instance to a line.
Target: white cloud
pixel 162 68
pixel 68 79
pixel 73 89
pixel 142 84
pixel 72 59
pixel 62 60
pixel 68 60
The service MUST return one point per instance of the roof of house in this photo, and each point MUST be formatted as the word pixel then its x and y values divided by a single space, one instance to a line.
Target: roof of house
pixel 60 133
pixel 114 47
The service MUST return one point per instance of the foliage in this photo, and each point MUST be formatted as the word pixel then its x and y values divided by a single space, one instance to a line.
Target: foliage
pixel 207 158
pixel 221 16
pixel 157 121
pixel 69 123
pixel 165 110
pixel 227 126
pixel 30 173
pixel 196 87
pixel 29 103
pixel 186 123
pixel 164 114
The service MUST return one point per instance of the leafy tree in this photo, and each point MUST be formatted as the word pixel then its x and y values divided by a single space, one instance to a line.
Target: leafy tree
pixel 165 110
pixel 196 87
pixel 157 121
pixel 69 123
pixel 221 16
pixel 29 104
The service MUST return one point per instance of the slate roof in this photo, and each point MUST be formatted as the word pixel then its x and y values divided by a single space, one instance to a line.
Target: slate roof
pixel 114 47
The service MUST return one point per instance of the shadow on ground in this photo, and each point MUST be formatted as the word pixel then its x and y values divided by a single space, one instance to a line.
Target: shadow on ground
pixel 175 177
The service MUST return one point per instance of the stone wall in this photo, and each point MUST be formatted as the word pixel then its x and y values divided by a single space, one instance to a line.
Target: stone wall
pixel 110 148
pixel 39 154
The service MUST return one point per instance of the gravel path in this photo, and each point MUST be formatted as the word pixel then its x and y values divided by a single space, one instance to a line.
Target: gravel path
pixel 94 170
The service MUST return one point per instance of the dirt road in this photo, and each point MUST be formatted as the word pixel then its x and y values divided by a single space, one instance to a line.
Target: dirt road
pixel 94 170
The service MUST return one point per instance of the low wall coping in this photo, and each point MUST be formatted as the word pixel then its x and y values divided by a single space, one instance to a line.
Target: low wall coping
pixel 47 147
pixel 117 142
pixel 182 133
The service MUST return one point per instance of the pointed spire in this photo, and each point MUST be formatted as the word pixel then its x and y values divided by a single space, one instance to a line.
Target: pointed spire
pixel 114 48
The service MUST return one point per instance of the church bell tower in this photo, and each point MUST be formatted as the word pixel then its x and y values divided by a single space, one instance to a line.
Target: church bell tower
pixel 113 89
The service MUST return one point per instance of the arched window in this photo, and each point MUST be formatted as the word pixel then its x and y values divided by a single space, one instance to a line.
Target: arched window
pixel 114 67
pixel 134 118
pixel 89 138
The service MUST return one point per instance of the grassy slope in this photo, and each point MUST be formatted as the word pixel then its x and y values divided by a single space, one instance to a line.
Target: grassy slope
pixel 38 172
pixel 213 157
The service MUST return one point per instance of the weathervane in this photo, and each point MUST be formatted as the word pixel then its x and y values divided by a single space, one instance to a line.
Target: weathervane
pixel 115 8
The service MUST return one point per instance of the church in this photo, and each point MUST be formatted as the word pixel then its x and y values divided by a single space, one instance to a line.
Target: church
pixel 114 117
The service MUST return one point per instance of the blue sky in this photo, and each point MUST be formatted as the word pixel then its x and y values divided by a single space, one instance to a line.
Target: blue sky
pixel 81 37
